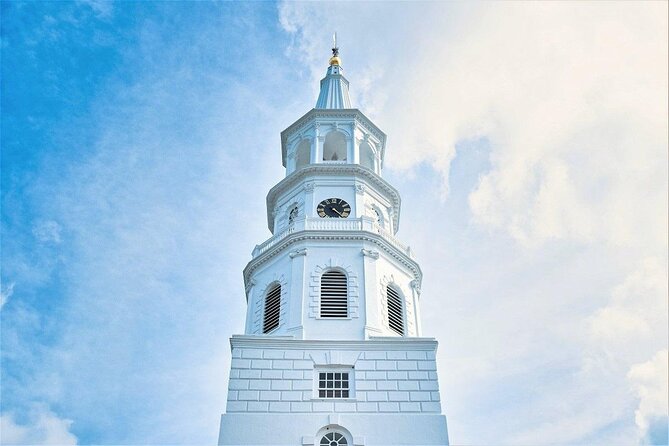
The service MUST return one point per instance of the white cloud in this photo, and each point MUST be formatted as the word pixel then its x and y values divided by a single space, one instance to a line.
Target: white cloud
pixel 634 321
pixel 6 293
pixel 42 426
pixel 649 382
pixel 571 97
pixel 570 100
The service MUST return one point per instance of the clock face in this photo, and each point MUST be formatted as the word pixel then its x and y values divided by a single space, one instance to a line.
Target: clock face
pixel 333 208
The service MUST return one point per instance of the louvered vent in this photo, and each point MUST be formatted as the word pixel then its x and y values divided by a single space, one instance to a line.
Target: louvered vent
pixel 334 294
pixel 272 309
pixel 395 319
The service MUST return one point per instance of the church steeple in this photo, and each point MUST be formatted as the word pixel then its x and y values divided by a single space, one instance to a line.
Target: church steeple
pixel 332 353
pixel 334 86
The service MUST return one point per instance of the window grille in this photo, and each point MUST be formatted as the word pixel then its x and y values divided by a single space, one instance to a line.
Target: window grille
pixel 395 317
pixel 333 439
pixel 333 385
pixel 334 294
pixel 293 215
pixel 272 309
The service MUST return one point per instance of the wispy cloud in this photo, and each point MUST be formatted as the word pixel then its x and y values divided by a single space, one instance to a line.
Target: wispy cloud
pixel 40 427
pixel 6 293
pixel 649 381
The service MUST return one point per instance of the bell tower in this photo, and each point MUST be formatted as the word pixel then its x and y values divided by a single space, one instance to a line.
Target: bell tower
pixel 333 352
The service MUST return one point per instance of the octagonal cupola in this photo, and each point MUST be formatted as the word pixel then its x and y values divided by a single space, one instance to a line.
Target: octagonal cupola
pixel 333 132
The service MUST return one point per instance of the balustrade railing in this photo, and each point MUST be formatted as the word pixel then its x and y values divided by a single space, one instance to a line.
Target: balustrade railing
pixel 334 224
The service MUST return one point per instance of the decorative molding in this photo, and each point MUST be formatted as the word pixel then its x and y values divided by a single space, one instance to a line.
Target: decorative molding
pixel 415 285
pixel 370 253
pixel 308 187
pixel 374 343
pixel 334 358
pixel 359 188
pixel 315 287
pixel 258 304
pixel 407 305
pixel 299 252
pixel 299 236
pixel 251 283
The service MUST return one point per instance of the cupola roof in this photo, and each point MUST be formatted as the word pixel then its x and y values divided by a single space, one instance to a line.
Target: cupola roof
pixel 334 86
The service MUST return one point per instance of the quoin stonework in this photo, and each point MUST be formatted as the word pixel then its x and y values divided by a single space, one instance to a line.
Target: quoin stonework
pixel 333 352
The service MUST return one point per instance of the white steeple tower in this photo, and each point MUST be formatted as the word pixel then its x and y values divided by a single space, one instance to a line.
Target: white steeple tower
pixel 332 352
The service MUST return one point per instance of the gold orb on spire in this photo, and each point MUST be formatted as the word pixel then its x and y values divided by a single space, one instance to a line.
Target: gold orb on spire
pixel 335 60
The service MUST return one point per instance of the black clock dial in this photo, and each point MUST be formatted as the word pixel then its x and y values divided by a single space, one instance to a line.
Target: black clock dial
pixel 333 208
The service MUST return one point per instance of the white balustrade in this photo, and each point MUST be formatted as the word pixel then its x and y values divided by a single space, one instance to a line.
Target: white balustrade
pixel 330 224
pixel 333 224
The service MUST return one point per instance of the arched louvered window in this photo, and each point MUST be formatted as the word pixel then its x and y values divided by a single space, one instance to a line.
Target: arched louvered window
pixel 395 313
pixel 334 294
pixel 272 309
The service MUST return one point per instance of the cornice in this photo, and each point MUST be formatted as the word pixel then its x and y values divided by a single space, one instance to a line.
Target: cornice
pixel 371 237
pixel 374 343
pixel 333 170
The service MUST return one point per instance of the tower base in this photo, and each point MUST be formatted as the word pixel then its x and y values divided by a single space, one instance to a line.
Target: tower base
pixel 308 429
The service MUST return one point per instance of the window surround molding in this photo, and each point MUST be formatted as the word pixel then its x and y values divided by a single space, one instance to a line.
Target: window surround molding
pixel 315 289
pixel 334 425
pixel 259 304
pixel 407 306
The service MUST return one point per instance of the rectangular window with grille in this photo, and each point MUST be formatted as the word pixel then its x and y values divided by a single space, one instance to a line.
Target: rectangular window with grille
pixel 334 295
pixel 333 385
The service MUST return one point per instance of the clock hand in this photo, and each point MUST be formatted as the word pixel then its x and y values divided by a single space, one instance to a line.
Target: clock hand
pixel 338 213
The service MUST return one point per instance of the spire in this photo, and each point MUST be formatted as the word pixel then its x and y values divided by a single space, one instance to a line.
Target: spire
pixel 334 86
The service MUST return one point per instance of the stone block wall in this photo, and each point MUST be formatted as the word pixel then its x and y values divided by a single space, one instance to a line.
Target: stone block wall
pixel 400 378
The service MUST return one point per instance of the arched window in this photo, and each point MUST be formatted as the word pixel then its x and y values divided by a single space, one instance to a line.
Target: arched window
pixel 303 155
pixel 333 439
pixel 334 294
pixel 366 156
pixel 395 313
pixel 272 308
pixel 334 147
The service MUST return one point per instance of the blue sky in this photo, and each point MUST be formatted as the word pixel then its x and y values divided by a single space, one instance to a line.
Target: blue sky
pixel 528 142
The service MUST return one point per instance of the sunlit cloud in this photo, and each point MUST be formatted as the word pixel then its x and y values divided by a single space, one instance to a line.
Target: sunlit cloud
pixel 528 141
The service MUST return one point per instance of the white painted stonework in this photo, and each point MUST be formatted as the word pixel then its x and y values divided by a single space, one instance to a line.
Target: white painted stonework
pixel 300 376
